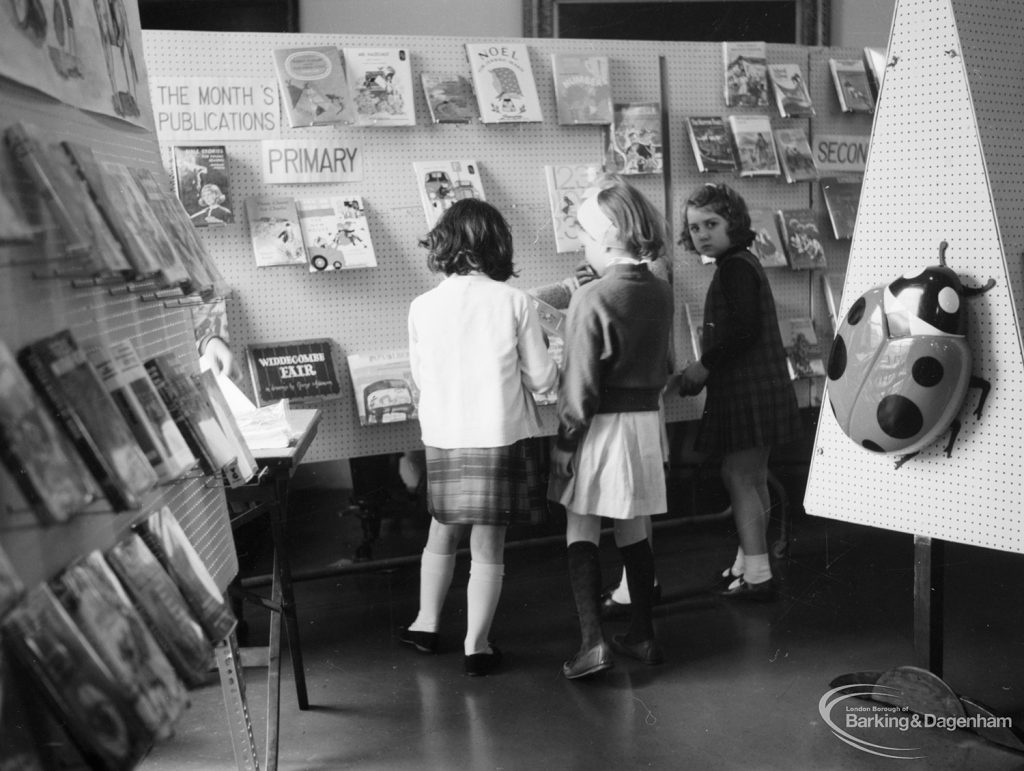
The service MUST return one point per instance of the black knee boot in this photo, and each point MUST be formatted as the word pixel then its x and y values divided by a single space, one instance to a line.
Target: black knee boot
pixel 585 578
pixel 639 642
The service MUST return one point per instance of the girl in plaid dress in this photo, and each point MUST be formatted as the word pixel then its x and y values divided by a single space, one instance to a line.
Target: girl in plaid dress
pixel 750 404
pixel 607 460
pixel 476 351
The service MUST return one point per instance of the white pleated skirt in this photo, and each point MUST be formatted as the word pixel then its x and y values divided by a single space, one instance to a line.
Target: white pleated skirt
pixel 618 469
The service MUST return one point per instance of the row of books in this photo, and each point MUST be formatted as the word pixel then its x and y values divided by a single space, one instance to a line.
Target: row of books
pixel 79 425
pixel 749 146
pixel 117 219
pixel 111 645
pixel 752 82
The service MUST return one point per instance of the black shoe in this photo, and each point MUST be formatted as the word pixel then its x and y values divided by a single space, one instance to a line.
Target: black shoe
pixel 590 662
pixel 762 592
pixel 612 609
pixel 424 642
pixel 647 652
pixel 480 664
pixel 722 581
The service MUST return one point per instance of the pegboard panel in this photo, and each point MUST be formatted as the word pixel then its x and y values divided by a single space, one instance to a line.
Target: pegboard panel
pixel 38 297
pixel 944 165
pixel 365 310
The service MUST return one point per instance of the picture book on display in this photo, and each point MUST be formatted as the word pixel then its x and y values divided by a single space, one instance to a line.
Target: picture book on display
pixel 335 233
pixel 442 183
pixel 75 394
pixel 164 536
pixel 314 89
pixel 583 91
pixel 192 413
pixel 98 604
pixel 852 87
pixel 842 197
pixel 243 467
pixel 383 386
pixel 874 63
pixel 795 156
pixel 566 185
pixel 802 239
pixel 161 605
pixel 711 143
pixel 746 73
pixel 37 452
pixel 755 147
pixel 790 91
pixel 450 97
pixel 766 245
pixel 380 83
pixel 126 379
pixel 503 82
pixel 275 232
pixel 67 199
pixel 634 139
pixel 202 184
pixel 77 685
pixel 803 352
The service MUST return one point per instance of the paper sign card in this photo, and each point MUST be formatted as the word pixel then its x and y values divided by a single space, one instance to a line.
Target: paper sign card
pixel 310 160
pixel 192 109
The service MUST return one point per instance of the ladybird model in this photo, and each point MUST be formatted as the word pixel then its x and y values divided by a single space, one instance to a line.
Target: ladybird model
pixel 900 365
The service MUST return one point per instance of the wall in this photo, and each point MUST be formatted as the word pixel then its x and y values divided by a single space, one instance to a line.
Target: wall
pixel 859 23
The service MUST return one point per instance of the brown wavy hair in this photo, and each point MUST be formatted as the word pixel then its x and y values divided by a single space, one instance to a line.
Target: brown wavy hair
pixel 726 203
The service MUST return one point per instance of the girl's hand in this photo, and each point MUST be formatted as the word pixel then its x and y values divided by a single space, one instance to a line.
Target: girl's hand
pixel 561 462
pixel 692 379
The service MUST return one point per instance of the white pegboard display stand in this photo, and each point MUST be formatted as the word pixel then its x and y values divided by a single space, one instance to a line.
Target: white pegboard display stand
pixel 365 310
pixel 945 165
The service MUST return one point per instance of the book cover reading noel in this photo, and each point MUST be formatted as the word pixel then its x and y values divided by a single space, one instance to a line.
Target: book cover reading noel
pixel 505 88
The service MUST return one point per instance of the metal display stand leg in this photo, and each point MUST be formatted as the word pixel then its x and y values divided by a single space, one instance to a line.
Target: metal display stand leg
pixel 232 684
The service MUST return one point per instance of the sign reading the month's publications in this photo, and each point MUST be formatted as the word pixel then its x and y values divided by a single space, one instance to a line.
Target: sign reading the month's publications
pixel 302 369
pixel 190 109
pixel 840 154
pixel 310 160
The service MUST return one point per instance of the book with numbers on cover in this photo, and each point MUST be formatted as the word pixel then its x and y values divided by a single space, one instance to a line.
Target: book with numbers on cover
pixel 566 184
pixel 75 394
pixel 98 604
pixel 37 452
pixel 76 683
pixel 161 604
pixel 165 537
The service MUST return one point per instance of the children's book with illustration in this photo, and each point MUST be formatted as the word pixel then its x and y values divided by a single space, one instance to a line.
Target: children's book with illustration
pixel 583 91
pixel 766 245
pixel 874 63
pixel 450 97
pixel 746 73
pixel 335 233
pixel 795 156
pixel 74 392
pixel 275 232
pixel 634 139
pixel 802 239
pixel 37 452
pixel 381 85
pixel 566 185
pixel 803 352
pixel 755 147
pixel 790 91
pixel 202 183
pixel 383 386
pixel 503 82
pixel 842 197
pixel 711 143
pixel 853 90
pixel 442 183
pixel 314 88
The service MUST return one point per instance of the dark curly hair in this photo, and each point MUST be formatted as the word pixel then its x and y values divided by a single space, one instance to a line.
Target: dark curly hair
pixel 471 236
pixel 729 205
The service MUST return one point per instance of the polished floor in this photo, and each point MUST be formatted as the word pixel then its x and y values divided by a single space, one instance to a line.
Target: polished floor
pixel 740 688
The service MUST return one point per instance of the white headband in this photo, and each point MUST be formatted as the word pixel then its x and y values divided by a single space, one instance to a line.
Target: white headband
pixel 593 220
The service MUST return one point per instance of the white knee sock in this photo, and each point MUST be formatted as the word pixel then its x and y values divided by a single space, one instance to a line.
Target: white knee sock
pixel 482 594
pixel 738 563
pixel 435 578
pixel 756 568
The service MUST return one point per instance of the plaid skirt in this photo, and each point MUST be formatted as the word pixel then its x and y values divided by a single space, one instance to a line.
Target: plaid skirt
pixel 486 485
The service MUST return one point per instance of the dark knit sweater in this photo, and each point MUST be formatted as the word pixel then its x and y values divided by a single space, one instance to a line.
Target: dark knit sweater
pixel 616 348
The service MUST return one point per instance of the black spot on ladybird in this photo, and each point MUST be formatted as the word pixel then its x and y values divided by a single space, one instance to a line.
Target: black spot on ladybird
pixel 927 371
pixel 899 417
pixel 867 444
pixel 856 312
pixel 837 359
